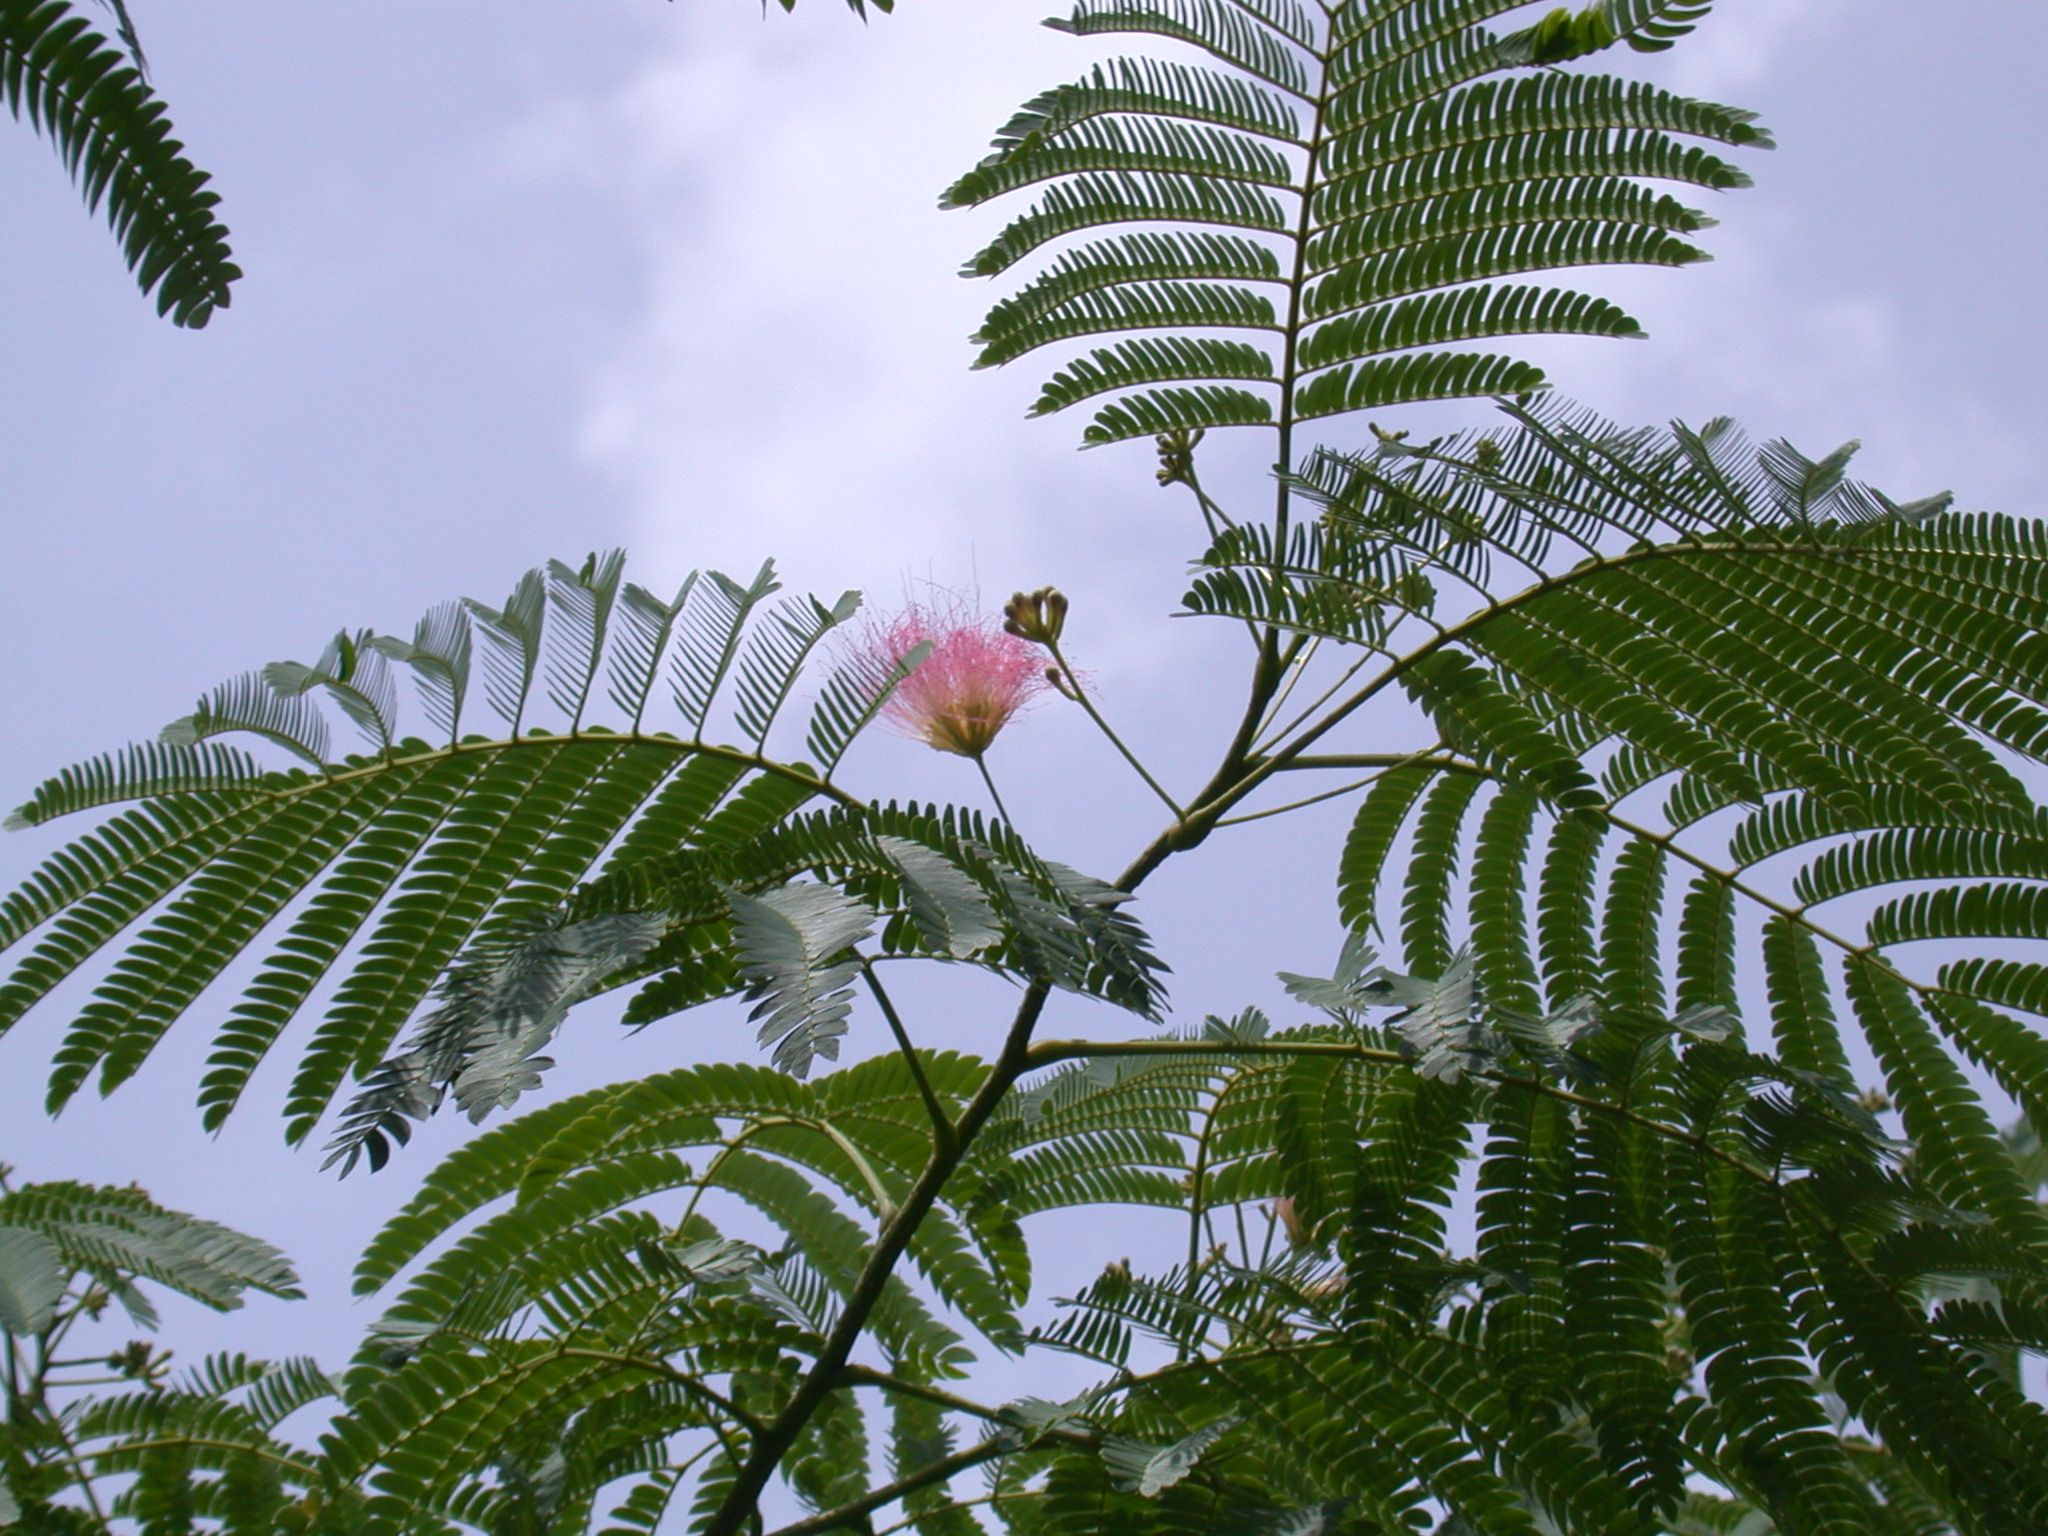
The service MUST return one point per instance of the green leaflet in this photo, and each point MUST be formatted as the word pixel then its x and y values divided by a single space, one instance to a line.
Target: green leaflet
pixel 1426 915
pixel 1499 930
pixel 1729 1247
pixel 1524 1180
pixel 1566 893
pixel 2001 1045
pixel 1952 1134
pixel 1614 1316
pixel 1150 1470
pixel 1802 1010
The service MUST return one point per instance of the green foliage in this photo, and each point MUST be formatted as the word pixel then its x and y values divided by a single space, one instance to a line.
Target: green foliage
pixel 507 878
pixel 1582 1214
pixel 1738 655
pixel 1342 187
pixel 194 1451
pixel 578 1313
pixel 1648 1298
pixel 82 93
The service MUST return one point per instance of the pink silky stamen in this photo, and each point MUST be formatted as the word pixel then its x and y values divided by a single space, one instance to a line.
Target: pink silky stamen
pixel 970 686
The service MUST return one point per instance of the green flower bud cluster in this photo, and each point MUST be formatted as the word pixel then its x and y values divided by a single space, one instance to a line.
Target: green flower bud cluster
pixel 1038 616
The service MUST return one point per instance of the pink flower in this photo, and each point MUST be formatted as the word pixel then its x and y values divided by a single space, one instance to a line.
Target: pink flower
pixel 970 685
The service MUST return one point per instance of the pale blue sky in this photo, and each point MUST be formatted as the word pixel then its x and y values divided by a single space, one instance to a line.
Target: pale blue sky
pixel 527 279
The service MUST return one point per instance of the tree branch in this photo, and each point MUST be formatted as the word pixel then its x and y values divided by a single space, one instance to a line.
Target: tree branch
pixel 943 1134
pixel 774 1441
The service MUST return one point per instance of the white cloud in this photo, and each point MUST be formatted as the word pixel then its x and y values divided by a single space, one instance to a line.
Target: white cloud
pixel 794 381
pixel 1744 41
pixel 1761 334
pixel 797 381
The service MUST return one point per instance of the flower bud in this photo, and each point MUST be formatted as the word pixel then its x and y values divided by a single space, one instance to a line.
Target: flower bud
pixel 1038 616
pixel 1177 454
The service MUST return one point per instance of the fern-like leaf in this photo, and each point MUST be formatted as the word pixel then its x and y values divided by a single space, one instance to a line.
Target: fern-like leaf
pixel 1398 161
pixel 114 137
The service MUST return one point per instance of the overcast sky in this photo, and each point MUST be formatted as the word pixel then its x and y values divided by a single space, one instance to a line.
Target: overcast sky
pixel 528 279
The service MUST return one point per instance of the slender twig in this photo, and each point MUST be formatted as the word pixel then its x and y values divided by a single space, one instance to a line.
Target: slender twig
pixel 1272 1230
pixel 1294 805
pixel 876 1189
pixel 656 1366
pixel 53 1421
pixel 884 1206
pixel 1000 1496
pixel 1049 1052
pixel 981 762
pixel 1384 762
pixel 292 1464
pixel 942 1123
pixel 1212 514
pixel 938 1471
pixel 1323 762
pixel 1280 733
pixel 1079 695
pixel 855 1374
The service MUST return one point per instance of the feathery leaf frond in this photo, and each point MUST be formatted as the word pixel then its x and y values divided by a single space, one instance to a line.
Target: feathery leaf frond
pixel 111 131
pixel 1346 186
pixel 379 873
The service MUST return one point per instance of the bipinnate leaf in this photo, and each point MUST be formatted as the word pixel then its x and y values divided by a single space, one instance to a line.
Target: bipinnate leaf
pixel 1316 213
pixel 792 946
pixel 360 886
